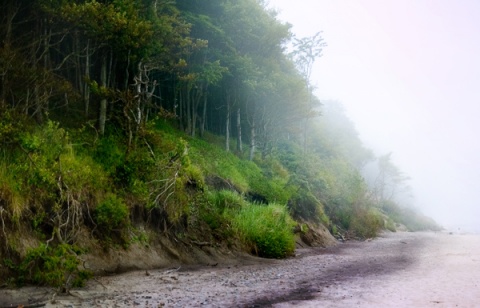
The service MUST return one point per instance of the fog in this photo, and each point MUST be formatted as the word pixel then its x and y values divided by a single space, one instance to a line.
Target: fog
pixel 408 74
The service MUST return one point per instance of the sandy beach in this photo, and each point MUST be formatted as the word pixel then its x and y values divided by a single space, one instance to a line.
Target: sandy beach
pixel 393 270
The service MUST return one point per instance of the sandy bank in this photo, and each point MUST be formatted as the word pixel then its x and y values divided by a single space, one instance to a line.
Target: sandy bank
pixel 395 270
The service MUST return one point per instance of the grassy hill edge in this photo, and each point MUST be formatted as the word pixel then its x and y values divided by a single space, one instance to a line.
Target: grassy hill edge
pixel 65 193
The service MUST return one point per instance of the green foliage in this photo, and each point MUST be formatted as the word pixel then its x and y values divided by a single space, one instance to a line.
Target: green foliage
pixel 53 266
pixel 217 211
pixel 195 176
pixel 303 204
pixel 111 214
pixel 366 223
pixel 267 230
pixel 266 179
pixel 270 185
pixel 110 154
pixel 212 159
pixel 48 171
pixel 12 125
pixel 226 199
pixel 117 24
pixel 11 193
pixel 44 147
pixel 81 176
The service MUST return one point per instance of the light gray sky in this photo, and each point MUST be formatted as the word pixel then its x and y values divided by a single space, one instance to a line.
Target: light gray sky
pixel 408 74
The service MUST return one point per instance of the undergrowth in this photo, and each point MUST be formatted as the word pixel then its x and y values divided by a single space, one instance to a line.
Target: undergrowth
pixel 59 267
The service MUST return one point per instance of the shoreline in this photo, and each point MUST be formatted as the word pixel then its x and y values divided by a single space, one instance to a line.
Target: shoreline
pixel 393 270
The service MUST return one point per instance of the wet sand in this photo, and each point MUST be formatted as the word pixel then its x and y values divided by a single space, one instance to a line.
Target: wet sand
pixel 441 270
pixel 394 270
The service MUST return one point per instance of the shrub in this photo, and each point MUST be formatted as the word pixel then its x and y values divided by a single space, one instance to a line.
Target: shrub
pixel 109 153
pixel 266 230
pixel 81 175
pixel 303 204
pixel 53 266
pixel 366 223
pixel 111 214
pixel 11 194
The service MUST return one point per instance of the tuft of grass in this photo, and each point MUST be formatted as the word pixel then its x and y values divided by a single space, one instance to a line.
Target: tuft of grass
pixel 217 209
pixel 266 230
pixel 226 199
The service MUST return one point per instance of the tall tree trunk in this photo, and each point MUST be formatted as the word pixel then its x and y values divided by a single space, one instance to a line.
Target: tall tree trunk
pixel 227 125
pixel 204 115
pixel 181 106
pixel 86 90
pixel 78 63
pixel 10 14
pixel 239 132
pixel 127 72
pixel 102 116
pixel 37 100
pixel 196 101
pixel 305 136
pixel 265 148
pixel 38 104
pixel 189 108
pixel 252 139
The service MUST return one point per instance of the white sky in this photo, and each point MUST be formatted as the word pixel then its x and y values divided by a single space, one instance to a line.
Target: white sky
pixel 408 74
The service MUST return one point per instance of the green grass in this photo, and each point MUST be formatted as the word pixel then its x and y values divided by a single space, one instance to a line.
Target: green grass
pixel 266 230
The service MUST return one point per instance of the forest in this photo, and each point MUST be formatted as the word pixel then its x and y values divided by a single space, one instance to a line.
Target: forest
pixel 122 121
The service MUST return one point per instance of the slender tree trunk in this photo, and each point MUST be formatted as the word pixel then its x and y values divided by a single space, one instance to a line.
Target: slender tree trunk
pixel 86 90
pixel 239 132
pixel 102 117
pixel 78 64
pixel 195 103
pixel 11 12
pixel 189 109
pixel 109 78
pixel 181 106
pixel 37 100
pixel 38 104
pixel 127 72
pixel 175 98
pixel 140 100
pixel 227 125
pixel 305 136
pixel 252 139
pixel 265 148
pixel 204 115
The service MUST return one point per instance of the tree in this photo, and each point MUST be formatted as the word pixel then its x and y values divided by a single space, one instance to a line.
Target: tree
pixel 389 181
pixel 335 134
pixel 306 51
